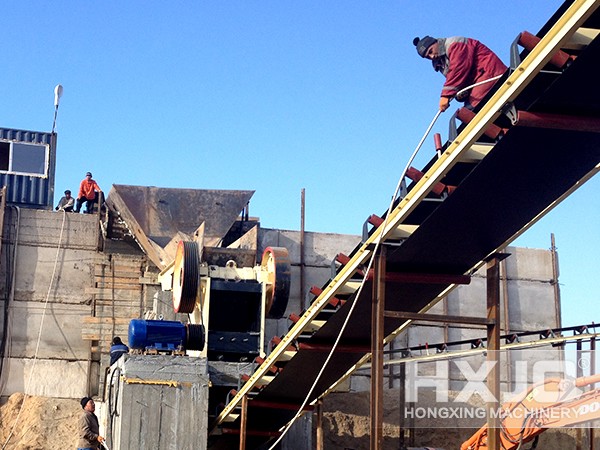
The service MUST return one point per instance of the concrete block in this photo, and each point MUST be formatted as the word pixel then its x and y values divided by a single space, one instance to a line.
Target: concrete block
pixel 319 248
pixel 313 276
pixel 275 328
pixel 229 373
pixel 299 435
pixel 48 378
pixel 162 367
pixel 531 305
pixel 41 228
pixel 421 335
pixel 469 300
pixel 162 402
pixel 529 264
pixel 36 276
pixel 358 383
pixel 60 331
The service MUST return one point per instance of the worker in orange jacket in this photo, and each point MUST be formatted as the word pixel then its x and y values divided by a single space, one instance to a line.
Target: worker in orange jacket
pixel 88 193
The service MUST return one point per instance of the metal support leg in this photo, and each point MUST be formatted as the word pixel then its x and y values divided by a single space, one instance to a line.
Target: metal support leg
pixel 377 336
pixel 243 422
pixel 579 371
pixel 319 444
pixel 591 432
pixel 493 339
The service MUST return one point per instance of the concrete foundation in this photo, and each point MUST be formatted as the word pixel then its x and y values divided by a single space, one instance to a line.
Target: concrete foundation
pixel 157 402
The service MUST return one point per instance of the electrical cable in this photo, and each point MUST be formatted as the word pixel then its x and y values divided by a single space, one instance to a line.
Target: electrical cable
pixel 39 338
pixel 112 408
pixel 463 90
pixel 371 260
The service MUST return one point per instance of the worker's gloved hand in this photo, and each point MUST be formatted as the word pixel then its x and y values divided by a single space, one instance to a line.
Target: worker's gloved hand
pixel 444 103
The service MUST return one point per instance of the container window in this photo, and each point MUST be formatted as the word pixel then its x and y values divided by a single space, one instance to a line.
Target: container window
pixel 24 158
pixel 4 155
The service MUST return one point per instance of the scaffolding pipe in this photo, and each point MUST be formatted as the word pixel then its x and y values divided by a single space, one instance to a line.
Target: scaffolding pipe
pixel 302 217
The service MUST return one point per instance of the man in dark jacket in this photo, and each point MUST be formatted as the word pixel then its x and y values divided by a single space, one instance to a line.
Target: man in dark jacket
pixel 117 349
pixel 89 429
pixel 464 62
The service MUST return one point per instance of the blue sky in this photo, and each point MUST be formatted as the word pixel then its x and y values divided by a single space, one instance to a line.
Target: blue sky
pixel 272 96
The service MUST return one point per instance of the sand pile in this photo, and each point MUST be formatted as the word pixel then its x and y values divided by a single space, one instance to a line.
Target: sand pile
pixel 44 423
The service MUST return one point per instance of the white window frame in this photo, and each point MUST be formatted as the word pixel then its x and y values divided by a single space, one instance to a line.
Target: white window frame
pixel 11 158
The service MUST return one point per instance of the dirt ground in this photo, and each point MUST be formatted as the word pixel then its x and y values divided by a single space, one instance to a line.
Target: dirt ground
pixel 43 423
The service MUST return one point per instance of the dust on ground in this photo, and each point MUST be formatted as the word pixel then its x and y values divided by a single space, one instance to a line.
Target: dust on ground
pixel 43 424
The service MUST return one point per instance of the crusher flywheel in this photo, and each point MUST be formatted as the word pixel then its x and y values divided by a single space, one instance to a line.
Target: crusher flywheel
pixel 276 262
pixel 186 277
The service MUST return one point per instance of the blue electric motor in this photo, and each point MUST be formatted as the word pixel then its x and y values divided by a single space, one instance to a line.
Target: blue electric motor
pixel 165 335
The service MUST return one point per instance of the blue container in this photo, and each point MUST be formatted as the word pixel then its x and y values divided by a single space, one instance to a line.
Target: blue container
pixel 28 167
pixel 158 334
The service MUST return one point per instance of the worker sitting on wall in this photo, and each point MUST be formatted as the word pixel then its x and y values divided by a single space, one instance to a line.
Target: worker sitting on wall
pixel 66 203
pixel 89 192
pixel 464 62
pixel 117 349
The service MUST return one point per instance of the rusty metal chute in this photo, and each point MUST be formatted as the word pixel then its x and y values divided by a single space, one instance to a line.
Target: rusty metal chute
pixel 158 218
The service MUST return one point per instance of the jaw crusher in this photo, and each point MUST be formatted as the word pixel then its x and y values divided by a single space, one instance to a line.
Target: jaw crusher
pixel 229 301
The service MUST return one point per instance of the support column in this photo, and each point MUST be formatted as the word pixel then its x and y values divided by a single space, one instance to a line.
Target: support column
pixel 319 444
pixel 493 355
pixel 591 432
pixel 302 250
pixel 579 373
pixel 377 336
pixel 243 422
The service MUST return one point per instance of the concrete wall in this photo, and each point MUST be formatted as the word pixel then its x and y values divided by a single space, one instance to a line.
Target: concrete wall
pixel 320 249
pixel 54 261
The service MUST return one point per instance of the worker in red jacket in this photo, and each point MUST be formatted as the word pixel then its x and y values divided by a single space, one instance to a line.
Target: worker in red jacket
pixel 89 192
pixel 464 62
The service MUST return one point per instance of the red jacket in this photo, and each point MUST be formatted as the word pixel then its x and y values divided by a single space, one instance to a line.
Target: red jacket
pixel 464 62
pixel 88 189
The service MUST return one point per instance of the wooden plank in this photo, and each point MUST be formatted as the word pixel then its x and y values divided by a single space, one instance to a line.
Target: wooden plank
pixel 130 310
pixel 90 337
pixel 105 326
pixel 108 284
pixel 146 280
pixel 114 293
pixel 131 275
pixel 137 262
pixel 117 305
pixel 106 330
pixel 106 320
pixel 128 272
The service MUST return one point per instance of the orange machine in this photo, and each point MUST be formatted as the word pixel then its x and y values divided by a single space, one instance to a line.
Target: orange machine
pixel 554 403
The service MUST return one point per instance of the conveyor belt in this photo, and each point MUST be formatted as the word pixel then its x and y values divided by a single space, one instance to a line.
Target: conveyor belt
pixel 524 175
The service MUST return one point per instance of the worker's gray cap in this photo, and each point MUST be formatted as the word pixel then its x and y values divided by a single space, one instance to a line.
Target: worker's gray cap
pixel 423 44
